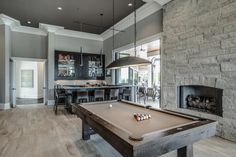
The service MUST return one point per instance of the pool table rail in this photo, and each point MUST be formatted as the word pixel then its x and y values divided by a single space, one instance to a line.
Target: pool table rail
pixel 153 144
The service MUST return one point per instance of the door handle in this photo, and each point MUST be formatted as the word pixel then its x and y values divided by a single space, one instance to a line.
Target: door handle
pixel 13 88
pixel 44 87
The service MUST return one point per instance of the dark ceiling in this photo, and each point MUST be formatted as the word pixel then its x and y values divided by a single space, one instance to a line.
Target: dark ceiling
pixel 73 13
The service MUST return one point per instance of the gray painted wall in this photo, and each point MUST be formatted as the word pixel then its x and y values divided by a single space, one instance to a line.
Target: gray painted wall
pixel 73 44
pixel 2 64
pixel 58 42
pixel 5 49
pixel 29 45
pixel 35 46
pixel 147 27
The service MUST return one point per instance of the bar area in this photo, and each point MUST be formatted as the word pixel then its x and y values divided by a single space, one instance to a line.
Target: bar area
pixel 80 78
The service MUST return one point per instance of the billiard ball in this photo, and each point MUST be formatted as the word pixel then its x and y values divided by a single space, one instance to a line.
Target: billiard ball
pixel 110 106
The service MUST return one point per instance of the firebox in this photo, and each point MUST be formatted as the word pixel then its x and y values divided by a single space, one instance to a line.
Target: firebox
pixel 200 98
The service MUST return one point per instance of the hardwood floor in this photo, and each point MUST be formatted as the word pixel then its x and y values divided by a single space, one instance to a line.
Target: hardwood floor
pixel 34 131
pixel 25 101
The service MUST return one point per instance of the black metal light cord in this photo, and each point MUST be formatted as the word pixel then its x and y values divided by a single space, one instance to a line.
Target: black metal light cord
pixel 113 30
pixel 135 28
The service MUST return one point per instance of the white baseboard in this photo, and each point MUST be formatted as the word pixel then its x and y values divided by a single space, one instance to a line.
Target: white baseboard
pixel 5 106
pixel 51 102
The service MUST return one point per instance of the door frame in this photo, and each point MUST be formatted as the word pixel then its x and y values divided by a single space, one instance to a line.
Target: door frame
pixel 13 89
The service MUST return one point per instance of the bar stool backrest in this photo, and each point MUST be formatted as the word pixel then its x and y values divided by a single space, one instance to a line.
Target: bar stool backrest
pixel 126 92
pixel 114 93
pixel 82 95
pixel 99 94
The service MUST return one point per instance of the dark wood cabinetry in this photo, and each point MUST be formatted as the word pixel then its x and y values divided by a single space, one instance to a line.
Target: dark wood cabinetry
pixel 79 66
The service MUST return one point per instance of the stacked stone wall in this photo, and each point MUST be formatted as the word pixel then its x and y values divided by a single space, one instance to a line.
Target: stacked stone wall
pixel 199 48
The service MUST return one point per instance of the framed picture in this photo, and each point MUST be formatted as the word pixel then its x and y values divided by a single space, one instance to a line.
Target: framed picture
pixel 27 78
pixel 108 72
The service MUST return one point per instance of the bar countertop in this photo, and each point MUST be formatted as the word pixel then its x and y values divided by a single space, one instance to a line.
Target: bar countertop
pixel 74 87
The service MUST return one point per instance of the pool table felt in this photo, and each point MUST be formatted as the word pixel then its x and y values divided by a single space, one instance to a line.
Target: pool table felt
pixel 121 115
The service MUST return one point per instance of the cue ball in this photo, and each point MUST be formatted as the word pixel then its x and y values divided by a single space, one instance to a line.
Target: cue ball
pixel 110 106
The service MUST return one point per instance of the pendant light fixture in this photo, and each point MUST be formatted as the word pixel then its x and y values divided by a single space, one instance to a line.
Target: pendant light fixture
pixel 130 60
pixel 101 52
pixel 101 59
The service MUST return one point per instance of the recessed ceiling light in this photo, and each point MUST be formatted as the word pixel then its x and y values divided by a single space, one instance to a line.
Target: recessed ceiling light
pixel 59 8
pixel 130 4
pixel 29 22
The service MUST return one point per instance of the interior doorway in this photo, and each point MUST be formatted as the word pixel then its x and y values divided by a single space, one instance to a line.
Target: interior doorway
pixel 28 81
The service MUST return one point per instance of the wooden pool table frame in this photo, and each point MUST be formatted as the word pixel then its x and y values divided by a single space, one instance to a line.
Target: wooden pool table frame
pixel 157 144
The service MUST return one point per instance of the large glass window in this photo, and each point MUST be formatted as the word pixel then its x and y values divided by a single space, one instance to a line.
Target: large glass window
pixel 146 77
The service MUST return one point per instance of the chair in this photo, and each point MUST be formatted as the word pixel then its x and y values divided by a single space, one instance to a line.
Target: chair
pixel 81 96
pixel 142 94
pixel 99 94
pixel 114 94
pixel 60 94
pixel 126 94
pixel 151 93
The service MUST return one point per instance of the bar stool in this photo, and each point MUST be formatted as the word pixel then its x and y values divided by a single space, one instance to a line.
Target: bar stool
pixel 126 94
pixel 81 96
pixel 142 94
pixel 60 94
pixel 114 94
pixel 99 94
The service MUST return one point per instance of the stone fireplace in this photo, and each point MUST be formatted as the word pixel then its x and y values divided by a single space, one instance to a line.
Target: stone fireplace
pixel 200 98
pixel 199 48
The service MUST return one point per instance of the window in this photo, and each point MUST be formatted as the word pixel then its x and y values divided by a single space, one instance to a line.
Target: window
pixel 143 75
pixel 124 75
pixel 27 78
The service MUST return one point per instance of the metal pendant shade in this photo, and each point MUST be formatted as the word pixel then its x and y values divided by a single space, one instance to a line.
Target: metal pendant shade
pixel 130 60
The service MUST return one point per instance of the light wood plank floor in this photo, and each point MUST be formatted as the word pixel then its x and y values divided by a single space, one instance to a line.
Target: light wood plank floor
pixel 34 131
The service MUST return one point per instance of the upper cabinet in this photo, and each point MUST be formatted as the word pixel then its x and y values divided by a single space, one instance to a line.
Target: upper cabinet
pixel 79 66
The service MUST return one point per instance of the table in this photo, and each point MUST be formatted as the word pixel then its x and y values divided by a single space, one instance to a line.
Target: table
pixel 164 132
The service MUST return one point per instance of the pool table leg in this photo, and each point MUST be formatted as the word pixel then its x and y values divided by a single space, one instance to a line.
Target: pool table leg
pixel 85 131
pixel 186 151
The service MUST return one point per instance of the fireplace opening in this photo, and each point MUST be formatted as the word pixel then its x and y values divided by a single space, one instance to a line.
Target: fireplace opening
pixel 200 98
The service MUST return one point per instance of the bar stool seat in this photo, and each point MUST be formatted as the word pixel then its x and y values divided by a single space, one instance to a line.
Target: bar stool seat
pixel 99 95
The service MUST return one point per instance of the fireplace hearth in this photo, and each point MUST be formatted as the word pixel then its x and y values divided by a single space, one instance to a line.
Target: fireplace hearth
pixel 200 98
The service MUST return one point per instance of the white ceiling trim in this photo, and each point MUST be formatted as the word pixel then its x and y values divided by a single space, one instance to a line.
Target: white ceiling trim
pixel 28 59
pixel 161 2
pixel 77 34
pixel 29 30
pixel 146 10
pixel 7 20
pixel 50 28
pixel 143 12
pixel 44 29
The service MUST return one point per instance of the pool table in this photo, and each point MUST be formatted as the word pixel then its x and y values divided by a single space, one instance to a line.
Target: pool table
pixel 165 131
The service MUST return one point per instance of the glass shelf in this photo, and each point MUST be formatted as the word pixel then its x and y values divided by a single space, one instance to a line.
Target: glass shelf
pixel 66 65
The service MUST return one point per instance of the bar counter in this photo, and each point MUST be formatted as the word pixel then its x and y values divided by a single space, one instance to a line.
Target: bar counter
pixel 72 90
